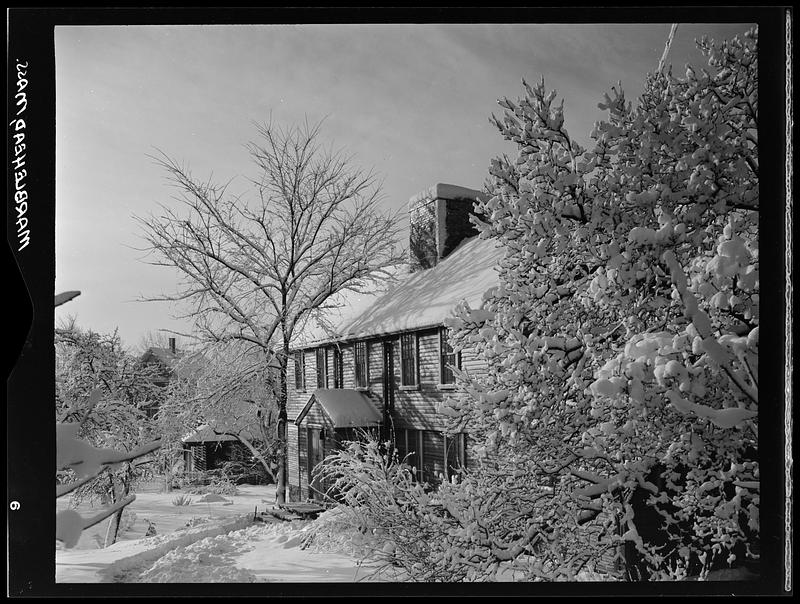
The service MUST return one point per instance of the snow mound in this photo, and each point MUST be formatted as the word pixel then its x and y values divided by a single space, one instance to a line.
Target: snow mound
pixel 212 498
pixel 210 560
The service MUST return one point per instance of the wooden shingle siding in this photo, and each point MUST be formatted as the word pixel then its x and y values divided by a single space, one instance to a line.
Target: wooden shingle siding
pixel 315 417
pixel 292 462
pixel 302 449
pixel 349 366
pixel 428 346
pixel 473 364
pixel 375 357
pixel 297 399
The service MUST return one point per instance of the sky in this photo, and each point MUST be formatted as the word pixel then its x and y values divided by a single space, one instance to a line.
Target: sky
pixel 411 102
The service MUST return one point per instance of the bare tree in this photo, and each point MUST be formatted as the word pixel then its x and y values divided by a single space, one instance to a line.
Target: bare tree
pixel 254 269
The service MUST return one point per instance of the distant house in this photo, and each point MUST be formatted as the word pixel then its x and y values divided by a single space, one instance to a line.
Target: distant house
pixel 381 361
pixel 211 446
pixel 164 360
pixel 206 449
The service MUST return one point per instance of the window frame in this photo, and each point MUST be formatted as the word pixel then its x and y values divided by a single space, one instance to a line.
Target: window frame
pixel 443 364
pixel 413 357
pixel 361 362
pixel 338 368
pixel 300 371
pixel 322 367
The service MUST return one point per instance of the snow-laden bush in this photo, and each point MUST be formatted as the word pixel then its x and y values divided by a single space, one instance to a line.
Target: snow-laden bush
pixel 622 341
pixel 484 526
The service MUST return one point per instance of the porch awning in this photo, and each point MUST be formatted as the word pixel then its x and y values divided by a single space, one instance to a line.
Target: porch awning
pixel 343 408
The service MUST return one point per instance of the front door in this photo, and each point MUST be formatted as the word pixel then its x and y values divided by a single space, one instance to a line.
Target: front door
pixel 315 455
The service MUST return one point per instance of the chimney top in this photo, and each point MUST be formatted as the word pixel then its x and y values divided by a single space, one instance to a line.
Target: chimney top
pixel 439 218
pixel 444 191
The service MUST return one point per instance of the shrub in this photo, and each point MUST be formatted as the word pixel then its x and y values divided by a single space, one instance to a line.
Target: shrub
pixel 470 530
pixel 182 500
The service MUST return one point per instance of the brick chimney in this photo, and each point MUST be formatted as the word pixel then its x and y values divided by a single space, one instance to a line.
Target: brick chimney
pixel 439 218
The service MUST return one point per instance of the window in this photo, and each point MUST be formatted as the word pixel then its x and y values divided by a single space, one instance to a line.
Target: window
pixel 321 368
pixel 433 455
pixel 299 371
pixel 338 381
pixel 408 444
pixel 448 359
pixel 360 352
pixel 455 450
pixel 408 359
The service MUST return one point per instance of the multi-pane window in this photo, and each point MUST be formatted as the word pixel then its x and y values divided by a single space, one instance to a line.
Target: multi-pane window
pixel 408 359
pixel 338 374
pixel 299 371
pixel 456 453
pixel 434 456
pixel 321 368
pixel 360 352
pixel 447 360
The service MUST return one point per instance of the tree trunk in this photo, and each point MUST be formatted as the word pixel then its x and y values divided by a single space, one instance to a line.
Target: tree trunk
pixel 256 454
pixel 280 494
pixel 113 524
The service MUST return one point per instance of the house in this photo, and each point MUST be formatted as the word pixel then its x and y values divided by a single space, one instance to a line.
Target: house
pixel 206 449
pixel 381 361
pixel 164 360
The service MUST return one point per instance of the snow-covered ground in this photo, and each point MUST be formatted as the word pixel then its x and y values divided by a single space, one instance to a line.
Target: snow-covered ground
pixel 153 505
pixel 218 542
pixel 204 542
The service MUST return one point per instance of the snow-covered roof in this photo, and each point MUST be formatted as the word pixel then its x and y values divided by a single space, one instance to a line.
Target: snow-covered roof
pixel 344 408
pixel 413 301
pixel 165 355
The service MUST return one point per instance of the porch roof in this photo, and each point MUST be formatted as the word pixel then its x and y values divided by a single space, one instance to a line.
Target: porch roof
pixel 344 408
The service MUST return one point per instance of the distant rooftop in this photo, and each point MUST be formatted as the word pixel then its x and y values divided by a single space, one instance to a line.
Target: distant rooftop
pixel 165 355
